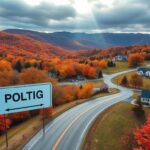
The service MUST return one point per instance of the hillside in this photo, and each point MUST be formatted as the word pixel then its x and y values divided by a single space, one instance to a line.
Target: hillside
pixel 21 45
pixel 78 41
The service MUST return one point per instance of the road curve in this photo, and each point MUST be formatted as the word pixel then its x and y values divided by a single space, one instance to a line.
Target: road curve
pixel 67 131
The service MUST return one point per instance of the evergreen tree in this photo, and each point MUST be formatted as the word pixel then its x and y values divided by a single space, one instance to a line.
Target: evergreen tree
pixel 124 81
pixel 27 65
pixel 18 66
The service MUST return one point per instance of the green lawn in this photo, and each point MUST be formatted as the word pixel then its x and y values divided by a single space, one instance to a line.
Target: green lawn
pixel 146 81
pixel 120 66
pixel 113 130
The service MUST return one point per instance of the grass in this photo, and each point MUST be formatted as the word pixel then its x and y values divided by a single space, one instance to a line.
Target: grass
pixel 25 128
pixel 113 130
pixel 146 81
pixel 111 91
pixel 97 83
pixel 120 66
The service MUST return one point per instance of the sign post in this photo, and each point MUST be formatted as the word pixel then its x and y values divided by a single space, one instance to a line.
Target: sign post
pixel 5 127
pixel 43 118
pixel 24 98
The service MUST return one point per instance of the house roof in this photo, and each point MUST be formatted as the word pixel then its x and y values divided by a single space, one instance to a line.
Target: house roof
pixel 144 69
pixel 145 93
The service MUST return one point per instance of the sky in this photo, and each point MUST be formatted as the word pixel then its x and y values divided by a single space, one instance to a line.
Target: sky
pixel 89 16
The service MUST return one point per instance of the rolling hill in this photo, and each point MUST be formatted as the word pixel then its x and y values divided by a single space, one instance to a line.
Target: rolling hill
pixel 78 41
pixel 21 45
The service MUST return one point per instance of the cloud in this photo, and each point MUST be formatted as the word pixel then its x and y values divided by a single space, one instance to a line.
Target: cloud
pixel 119 16
pixel 17 11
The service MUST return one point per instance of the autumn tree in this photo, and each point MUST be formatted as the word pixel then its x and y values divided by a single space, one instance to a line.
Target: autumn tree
pixel 85 91
pixel 71 71
pixel 33 75
pixel 70 93
pixel 19 117
pixel 142 136
pixel 136 80
pixel 92 73
pixel 2 123
pixel 103 64
pixel 8 78
pixel 46 112
pixel 124 81
pixel 5 66
pixel 58 95
pixel 135 60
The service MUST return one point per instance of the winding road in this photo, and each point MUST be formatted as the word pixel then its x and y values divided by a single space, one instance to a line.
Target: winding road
pixel 67 131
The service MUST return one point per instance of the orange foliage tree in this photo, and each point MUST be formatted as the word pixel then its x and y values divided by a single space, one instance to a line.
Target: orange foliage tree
pixel 8 78
pixel 70 93
pixel 5 66
pixel 136 59
pixel 33 75
pixel 103 64
pixel 136 81
pixel 85 91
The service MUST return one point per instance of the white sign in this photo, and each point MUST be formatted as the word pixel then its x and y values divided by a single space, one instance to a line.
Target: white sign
pixel 25 97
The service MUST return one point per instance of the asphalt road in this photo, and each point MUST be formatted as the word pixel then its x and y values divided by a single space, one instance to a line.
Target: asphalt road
pixel 67 131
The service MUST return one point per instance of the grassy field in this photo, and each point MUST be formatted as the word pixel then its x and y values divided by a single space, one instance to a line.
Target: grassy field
pixel 146 81
pixel 97 83
pixel 120 66
pixel 113 130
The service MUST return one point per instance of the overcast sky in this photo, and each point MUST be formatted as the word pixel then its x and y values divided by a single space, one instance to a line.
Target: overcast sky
pixel 76 15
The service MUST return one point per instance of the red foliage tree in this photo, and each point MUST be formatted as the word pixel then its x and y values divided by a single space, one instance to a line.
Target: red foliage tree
pixel 46 112
pixel 19 117
pixel 8 122
pixel 142 136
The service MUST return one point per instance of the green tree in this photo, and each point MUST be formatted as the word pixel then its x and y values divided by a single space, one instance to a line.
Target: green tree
pixel 124 81
pixel 18 66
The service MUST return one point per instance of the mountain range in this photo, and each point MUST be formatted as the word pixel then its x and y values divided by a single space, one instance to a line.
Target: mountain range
pixel 85 41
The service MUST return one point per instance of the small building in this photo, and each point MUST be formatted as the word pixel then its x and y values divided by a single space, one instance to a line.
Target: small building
pixel 145 97
pixel 121 58
pixel 144 72
pixel 52 74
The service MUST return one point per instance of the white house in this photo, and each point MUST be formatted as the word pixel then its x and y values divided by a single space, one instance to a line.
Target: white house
pixel 145 97
pixel 121 58
pixel 144 72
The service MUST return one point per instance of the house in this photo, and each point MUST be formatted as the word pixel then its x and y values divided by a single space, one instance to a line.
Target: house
pixel 144 72
pixel 145 97
pixel 121 58
pixel 103 88
pixel 52 74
